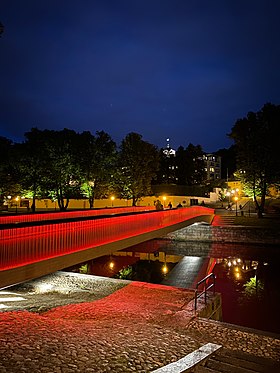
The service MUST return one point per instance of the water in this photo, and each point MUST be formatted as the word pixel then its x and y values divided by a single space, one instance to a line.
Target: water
pixel 246 276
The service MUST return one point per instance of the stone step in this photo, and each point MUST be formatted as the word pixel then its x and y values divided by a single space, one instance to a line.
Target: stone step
pixel 223 220
pixel 225 361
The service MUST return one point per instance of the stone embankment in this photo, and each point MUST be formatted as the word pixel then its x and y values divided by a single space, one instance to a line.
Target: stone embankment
pixel 227 234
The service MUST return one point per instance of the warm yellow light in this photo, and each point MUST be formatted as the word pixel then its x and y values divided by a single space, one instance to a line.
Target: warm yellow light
pixel 111 265
pixel 236 198
pixel 236 269
pixel 164 198
pixel 237 275
pixel 9 197
pixel 17 198
pixel 164 269
pixel 234 262
pixel 229 264
pixel 112 198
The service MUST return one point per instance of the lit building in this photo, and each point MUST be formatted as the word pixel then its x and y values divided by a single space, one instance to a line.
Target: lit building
pixel 169 165
pixel 212 166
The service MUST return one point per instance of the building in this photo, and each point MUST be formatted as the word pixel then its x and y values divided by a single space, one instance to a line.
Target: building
pixel 213 165
pixel 169 165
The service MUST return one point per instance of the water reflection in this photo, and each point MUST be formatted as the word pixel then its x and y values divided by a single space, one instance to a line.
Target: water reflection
pixel 246 276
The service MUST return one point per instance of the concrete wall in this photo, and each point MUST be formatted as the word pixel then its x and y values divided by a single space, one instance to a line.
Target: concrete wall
pixel 47 204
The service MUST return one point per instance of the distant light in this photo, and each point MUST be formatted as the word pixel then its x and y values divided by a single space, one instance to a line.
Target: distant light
pixel 111 265
pixel 229 264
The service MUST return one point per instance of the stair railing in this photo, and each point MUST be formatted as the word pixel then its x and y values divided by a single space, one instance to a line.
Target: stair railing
pixel 206 287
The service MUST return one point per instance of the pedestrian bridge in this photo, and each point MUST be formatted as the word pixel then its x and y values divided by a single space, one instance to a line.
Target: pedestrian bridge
pixel 34 245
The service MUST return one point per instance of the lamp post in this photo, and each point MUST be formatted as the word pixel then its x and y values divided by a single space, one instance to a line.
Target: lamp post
pixel 236 199
pixel 164 199
pixel 228 195
pixel 17 199
pixel 112 199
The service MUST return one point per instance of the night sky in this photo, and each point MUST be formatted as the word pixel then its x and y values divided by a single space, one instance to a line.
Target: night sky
pixel 181 69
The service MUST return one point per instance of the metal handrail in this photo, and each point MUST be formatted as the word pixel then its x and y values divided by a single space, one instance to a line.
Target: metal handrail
pixel 205 289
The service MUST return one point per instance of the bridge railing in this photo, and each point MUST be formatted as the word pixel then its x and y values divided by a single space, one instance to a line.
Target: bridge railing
pixel 23 245
pixel 29 217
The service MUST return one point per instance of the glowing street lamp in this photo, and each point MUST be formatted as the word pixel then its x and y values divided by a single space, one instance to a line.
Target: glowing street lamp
pixel 164 269
pixel 112 199
pixel 164 199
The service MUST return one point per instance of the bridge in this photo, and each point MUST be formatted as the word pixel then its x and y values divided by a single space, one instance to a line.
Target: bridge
pixel 34 245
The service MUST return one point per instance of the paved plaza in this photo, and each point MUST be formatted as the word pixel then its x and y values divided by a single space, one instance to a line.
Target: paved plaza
pixel 119 327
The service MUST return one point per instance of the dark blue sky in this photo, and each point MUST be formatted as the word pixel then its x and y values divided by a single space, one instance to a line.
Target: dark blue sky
pixel 163 68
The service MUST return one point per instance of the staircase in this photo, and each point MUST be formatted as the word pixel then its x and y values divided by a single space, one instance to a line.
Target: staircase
pixel 226 361
pixel 223 219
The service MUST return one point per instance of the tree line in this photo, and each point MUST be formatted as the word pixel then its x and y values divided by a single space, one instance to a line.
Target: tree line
pixel 65 164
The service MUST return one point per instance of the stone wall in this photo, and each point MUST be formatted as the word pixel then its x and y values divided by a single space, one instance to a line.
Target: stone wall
pixel 228 234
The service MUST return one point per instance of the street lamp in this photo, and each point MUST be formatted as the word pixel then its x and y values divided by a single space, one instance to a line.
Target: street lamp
pixel 236 199
pixel 164 199
pixel 112 199
pixel 228 195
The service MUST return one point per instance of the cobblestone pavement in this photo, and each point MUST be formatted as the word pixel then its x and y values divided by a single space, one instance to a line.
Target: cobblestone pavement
pixel 137 328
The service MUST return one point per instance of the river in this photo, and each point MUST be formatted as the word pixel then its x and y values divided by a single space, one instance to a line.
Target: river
pixel 247 276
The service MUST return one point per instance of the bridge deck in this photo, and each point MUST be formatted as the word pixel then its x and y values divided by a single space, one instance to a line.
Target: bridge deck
pixel 32 251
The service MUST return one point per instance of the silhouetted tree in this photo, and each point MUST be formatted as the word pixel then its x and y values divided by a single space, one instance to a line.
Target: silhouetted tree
pixel 138 164
pixel 32 162
pixel 98 162
pixel 257 144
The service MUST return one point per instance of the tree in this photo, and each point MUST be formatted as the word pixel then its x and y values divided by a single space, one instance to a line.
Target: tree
pixel 97 162
pixel 9 183
pixel 257 141
pixel 228 167
pixel 138 164
pixel 31 162
pixel 190 165
pixel 62 172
